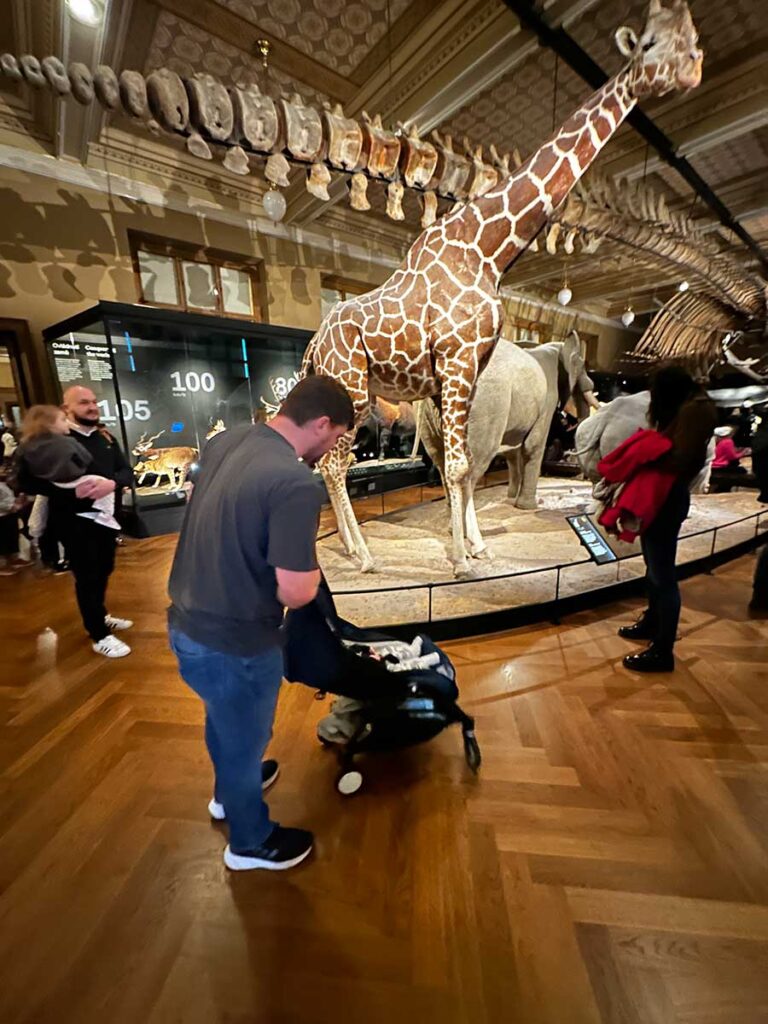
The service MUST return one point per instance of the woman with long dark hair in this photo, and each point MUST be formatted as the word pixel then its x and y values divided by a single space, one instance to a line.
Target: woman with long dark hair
pixel 682 411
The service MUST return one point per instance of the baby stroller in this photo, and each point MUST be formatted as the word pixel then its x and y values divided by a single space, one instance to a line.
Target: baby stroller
pixel 390 694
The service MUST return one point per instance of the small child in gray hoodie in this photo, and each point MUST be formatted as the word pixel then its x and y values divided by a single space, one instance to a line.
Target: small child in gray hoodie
pixel 52 455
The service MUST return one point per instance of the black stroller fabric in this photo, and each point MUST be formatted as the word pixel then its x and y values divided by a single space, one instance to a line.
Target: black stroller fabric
pixel 389 710
pixel 316 656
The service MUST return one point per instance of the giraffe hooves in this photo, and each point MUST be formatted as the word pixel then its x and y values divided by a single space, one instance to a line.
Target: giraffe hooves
pixel 462 568
pixel 367 564
pixel 482 553
pixel 527 504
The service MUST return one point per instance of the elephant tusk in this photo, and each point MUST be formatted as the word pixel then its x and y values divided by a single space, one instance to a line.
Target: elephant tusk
pixel 591 399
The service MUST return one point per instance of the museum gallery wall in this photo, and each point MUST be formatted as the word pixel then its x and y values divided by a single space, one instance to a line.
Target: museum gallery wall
pixel 64 248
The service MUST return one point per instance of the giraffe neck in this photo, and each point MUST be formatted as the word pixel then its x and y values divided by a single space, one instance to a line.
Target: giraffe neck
pixel 514 212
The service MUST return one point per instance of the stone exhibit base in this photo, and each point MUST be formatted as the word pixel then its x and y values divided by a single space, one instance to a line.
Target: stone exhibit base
pixel 534 556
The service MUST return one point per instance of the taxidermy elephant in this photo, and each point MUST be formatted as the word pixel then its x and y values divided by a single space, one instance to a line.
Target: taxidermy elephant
pixel 515 399
pixel 614 423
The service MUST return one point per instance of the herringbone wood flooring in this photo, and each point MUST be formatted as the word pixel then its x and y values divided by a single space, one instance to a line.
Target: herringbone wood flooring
pixel 609 864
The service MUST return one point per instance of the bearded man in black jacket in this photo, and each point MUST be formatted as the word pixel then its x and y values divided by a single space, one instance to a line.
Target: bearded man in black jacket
pixel 90 547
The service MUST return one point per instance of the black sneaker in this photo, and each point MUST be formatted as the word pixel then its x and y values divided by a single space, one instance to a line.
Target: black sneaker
pixel 269 771
pixel 285 848
pixel 60 567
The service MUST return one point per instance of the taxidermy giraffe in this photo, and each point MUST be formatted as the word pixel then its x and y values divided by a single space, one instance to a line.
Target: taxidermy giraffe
pixel 430 328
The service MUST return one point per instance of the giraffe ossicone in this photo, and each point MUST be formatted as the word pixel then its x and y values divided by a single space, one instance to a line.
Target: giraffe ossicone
pixel 429 330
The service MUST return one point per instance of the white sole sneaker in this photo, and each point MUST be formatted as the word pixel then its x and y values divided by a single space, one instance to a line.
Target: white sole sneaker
pixel 236 862
pixel 111 647
pixel 116 623
pixel 216 810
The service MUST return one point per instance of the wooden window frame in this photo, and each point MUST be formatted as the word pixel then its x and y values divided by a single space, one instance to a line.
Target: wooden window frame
pixel 186 252
pixel 344 285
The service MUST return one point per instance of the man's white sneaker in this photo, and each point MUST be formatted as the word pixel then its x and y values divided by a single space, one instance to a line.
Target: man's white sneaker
pixel 216 811
pixel 113 622
pixel 111 647
pixel 269 771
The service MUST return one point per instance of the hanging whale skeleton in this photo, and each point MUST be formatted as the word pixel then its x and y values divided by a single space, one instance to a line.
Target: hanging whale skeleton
pixel 245 123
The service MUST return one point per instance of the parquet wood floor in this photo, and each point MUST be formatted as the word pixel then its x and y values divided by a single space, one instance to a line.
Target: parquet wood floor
pixel 609 864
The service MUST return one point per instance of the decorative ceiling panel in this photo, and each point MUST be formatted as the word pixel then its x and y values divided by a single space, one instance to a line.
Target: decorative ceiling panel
pixel 757 225
pixel 186 49
pixel 739 156
pixel 337 34
pixel 517 111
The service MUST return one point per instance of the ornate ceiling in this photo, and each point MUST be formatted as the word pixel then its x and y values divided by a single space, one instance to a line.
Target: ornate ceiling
pixel 337 34
pixel 464 66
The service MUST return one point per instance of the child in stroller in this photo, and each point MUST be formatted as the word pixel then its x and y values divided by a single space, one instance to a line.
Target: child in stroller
pixel 391 694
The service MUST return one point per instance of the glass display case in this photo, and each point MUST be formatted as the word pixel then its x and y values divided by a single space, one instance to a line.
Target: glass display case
pixel 167 381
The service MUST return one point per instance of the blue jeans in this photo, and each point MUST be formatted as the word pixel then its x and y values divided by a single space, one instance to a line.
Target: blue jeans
pixel 659 544
pixel 240 696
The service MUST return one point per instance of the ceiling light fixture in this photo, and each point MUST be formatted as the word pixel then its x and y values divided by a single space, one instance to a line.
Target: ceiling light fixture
pixel 628 316
pixel 274 203
pixel 273 200
pixel 565 294
pixel 87 12
pixel 683 286
pixel 263 46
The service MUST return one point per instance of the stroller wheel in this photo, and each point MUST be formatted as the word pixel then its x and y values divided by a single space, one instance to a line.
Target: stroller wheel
pixel 349 782
pixel 472 751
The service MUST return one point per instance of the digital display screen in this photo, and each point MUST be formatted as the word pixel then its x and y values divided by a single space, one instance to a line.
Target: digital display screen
pixel 589 535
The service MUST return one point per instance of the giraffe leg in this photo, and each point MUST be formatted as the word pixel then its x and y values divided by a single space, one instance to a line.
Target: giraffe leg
pixel 334 469
pixel 331 486
pixel 334 464
pixel 456 471
pixel 477 546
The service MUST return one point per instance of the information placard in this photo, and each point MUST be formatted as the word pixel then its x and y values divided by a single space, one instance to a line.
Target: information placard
pixel 596 544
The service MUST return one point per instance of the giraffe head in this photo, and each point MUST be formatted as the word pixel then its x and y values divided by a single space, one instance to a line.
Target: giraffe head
pixel 667 54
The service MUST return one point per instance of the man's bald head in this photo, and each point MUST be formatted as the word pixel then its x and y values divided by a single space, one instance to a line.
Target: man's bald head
pixel 80 406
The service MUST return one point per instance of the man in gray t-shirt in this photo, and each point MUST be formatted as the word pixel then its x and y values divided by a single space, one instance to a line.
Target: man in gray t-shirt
pixel 247 551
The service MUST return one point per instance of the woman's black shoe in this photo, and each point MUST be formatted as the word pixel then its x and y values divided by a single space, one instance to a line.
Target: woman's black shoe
pixel 640 630
pixel 652 659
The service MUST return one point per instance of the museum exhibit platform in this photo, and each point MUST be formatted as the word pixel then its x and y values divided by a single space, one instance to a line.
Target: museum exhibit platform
pixel 537 569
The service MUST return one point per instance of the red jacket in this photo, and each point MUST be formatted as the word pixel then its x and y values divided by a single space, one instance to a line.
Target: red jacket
pixel 646 487
pixel 727 454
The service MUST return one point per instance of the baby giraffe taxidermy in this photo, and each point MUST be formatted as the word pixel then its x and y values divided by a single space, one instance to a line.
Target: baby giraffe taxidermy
pixel 432 326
